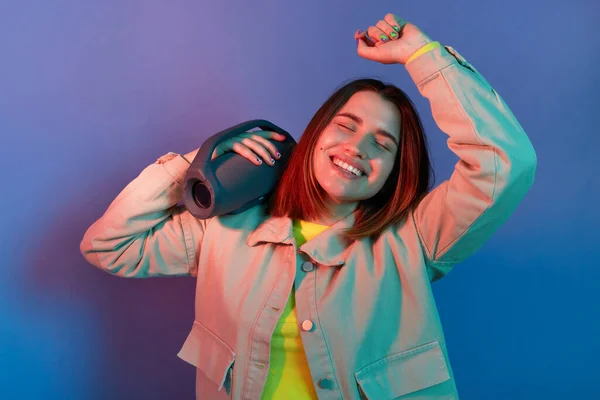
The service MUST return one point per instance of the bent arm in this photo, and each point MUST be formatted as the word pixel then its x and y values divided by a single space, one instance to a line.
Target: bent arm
pixel 496 164
pixel 143 233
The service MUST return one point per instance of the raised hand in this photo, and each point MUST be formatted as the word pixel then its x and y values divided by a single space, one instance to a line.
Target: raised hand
pixel 391 41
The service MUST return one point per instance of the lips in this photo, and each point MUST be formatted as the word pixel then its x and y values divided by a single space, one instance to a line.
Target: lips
pixel 343 172
pixel 350 162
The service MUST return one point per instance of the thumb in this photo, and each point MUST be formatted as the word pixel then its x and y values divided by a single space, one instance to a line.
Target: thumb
pixel 365 46
pixel 365 50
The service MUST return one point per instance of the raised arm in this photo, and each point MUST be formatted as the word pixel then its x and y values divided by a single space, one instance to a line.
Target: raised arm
pixel 143 233
pixel 496 164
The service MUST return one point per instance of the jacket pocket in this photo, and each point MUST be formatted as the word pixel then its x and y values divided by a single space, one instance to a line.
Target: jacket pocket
pixel 403 373
pixel 204 350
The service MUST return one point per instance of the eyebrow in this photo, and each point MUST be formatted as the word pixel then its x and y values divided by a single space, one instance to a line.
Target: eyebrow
pixel 359 120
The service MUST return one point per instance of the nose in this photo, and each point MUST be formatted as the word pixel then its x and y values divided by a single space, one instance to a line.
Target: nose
pixel 355 147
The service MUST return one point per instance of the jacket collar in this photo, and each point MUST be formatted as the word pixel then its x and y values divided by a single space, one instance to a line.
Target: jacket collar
pixel 327 248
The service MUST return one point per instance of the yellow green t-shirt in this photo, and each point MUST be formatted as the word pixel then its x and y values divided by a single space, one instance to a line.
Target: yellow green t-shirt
pixel 289 376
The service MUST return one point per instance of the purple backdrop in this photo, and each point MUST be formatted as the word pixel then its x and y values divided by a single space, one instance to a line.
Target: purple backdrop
pixel 93 91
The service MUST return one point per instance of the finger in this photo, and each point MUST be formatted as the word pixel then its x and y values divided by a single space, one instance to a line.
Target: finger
pixel 246 152
pixel 280 137
pixel 378 36
pixel 258 148
pixel 362 36
pixel 388 29
pixel 270 135
pixel 216 153
pixel 222 148
pixel 395 22
pixel 277 136
pixel 267 143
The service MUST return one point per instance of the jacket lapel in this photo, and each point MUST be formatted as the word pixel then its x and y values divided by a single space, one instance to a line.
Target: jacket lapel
pixel 328 248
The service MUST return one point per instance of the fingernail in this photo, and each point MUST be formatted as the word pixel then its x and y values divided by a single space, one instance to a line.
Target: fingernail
pixel 272 161
pixel 383 38
pixel 393 34
pixel 259 160
pixel 360 32
pixel 397 28
pixel 278 155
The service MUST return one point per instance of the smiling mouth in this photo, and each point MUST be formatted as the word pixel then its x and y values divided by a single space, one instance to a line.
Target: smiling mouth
pixel 345 172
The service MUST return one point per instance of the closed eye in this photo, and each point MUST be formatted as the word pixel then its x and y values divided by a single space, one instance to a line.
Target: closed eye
pixel 382 146
pixel 345 127
pixel 351 130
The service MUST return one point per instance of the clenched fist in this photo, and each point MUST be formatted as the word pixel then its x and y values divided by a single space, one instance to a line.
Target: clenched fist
pixel 391 41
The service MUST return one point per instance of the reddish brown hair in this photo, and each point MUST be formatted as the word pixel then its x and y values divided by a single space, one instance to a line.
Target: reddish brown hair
pixel 299 196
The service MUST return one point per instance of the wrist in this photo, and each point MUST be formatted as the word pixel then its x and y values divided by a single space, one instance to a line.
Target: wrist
pixel 422 50
pixel 189 157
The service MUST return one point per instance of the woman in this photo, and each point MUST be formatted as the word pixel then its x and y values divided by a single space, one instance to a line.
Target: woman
pixel 326 290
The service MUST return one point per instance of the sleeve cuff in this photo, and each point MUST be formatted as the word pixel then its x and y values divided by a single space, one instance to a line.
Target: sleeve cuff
pixel 429 63
pixel 175 165
pixel 423 50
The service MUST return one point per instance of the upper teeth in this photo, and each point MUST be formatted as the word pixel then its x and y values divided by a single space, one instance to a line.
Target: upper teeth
pixel 346 166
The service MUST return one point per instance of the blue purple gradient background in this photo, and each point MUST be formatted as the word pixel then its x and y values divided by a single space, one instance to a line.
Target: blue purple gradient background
pixel 93 91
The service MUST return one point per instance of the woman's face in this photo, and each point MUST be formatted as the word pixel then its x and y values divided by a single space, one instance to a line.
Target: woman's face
pixel 365 133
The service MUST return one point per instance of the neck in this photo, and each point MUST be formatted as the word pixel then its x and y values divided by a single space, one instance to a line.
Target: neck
pixel 336 212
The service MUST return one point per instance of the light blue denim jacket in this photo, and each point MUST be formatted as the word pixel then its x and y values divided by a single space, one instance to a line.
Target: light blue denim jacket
pixel 376 332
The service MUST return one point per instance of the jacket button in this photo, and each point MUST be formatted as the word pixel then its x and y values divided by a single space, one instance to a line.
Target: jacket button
pixel 307 266
pixel 326 384
pixel 307 325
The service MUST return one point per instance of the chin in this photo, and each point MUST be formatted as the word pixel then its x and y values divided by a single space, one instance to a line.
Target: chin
pixel 339 195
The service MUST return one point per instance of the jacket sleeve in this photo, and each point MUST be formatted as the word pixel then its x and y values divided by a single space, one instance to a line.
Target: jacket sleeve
pixel 144 233
pixel 496 164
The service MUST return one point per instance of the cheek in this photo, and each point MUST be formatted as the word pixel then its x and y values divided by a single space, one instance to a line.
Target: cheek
pixel 320 161
pixel 383 168
pixel 329 138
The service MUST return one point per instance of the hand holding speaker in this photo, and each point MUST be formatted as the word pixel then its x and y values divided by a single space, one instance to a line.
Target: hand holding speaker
pixel 255 146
